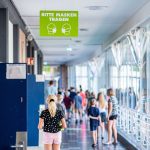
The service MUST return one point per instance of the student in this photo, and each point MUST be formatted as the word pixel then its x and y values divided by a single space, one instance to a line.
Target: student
pixel 94 115
pixel 87 93
pixel 102 105
pixel 112 116
pixel 51 89
pixel 72 93
pixel 84 103
pixel 68 102
pixel 92 95
pixel 51 119
pixel 60 103
pixel 78 107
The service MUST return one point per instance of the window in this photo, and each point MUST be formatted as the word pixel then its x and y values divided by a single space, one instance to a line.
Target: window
pixel 81 77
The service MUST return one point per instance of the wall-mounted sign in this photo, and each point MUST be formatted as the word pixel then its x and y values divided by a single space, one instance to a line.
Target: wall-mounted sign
pixel 40 78
pixel 16 71
pixel 59 23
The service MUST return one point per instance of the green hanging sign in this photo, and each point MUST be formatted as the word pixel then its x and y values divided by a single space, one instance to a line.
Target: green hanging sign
pixel 59 23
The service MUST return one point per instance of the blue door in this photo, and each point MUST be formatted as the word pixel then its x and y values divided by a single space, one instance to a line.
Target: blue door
pixel 13 109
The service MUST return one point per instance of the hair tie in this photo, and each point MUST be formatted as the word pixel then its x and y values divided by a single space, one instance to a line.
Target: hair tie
pixel 52 100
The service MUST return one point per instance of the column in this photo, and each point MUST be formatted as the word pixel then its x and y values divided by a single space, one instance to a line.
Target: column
pixel 3 34
pixel 64 77
pixel 40 62
pixel 16 43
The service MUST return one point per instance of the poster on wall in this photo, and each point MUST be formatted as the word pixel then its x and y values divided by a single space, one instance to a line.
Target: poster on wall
pixel 16 71
pixel 59 23
pixel 40 78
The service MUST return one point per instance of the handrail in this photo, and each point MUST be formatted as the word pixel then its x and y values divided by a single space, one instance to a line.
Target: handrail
pixel 136 125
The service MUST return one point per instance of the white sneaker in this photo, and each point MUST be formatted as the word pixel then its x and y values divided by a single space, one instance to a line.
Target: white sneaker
pixel 108 143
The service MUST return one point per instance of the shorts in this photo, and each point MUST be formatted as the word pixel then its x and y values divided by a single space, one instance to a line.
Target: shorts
pixel 99 123
pixel 113 117
pixel 52 138
pixel 77 110
pixel 78 107
pixel 93 127
pixel 68 110
pixel 103 117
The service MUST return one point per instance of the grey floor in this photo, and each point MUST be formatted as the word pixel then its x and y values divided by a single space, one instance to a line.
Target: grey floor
pixel 77 137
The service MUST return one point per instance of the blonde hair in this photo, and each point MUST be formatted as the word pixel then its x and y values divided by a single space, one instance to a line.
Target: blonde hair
pixel 101 100
pixel 51 99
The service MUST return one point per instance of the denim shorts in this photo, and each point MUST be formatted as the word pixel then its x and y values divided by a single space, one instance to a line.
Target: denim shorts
pixel 93 127
pixel 103 117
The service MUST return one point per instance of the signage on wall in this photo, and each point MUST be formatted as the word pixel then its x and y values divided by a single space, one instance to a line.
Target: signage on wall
pixel 59 23
pixel 40 78
pixel 16 71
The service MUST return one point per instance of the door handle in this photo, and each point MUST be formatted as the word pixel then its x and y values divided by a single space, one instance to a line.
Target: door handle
pixel 21 99
pixel 19 145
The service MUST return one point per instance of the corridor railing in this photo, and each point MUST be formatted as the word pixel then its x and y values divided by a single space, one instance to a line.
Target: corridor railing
pixel 135 126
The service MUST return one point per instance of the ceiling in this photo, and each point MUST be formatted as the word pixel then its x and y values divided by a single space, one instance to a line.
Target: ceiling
pixel 98 19
pixel 1 6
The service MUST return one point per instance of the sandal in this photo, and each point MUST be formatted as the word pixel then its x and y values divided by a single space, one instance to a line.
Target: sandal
pixel 93 145
pixel 115 143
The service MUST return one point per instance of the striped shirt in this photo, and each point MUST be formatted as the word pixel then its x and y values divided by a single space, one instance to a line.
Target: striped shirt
pixel 114 102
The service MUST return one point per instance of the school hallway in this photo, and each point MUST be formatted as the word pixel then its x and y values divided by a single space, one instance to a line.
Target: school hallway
pixel 75 51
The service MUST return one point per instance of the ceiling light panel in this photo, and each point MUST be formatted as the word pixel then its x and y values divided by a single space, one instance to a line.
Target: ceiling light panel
pixel 96 7
pixel 53 45
pixel 83 29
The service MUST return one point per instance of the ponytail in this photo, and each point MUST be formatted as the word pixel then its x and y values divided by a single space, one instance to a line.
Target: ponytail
pixel 52 105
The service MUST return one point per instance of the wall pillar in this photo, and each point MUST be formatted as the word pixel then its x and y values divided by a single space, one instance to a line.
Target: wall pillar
pixel 16 43
pixel 64 76
pixel 3 34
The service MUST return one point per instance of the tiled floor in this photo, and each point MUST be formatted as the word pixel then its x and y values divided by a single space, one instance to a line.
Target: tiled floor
pixel 77 137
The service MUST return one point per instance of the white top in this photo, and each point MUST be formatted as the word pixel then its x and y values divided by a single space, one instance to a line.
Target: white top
pixel 101 109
